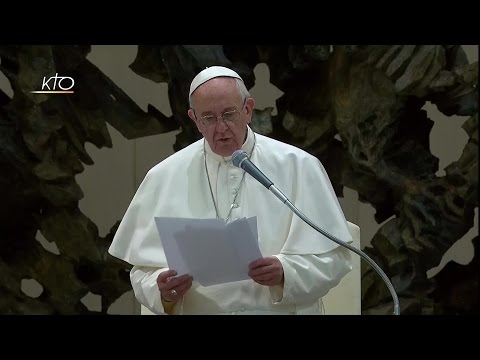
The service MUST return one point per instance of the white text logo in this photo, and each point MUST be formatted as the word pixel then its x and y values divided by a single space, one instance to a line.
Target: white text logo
pixel 56 85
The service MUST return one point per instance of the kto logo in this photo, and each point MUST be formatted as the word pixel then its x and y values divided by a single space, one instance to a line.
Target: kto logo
pixel 56 85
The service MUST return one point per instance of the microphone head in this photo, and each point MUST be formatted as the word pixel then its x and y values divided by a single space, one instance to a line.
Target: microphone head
pixel 238 156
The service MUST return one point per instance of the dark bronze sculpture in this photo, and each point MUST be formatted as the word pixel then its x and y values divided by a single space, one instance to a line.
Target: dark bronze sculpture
pixel 371 96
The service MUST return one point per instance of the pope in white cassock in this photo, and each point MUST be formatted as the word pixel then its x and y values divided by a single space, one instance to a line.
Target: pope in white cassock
pixel 299 266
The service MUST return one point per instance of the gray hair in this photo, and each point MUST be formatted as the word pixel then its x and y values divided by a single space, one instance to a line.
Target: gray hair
pixel 242 91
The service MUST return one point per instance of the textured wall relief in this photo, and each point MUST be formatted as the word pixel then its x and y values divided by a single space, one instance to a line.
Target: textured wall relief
pixel 357 108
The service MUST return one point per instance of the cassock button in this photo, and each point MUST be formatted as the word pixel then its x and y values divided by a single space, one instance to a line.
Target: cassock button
pixel 235 206
pixel 234 191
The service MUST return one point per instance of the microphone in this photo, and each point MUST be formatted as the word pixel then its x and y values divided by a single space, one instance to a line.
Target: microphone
pixel 240 159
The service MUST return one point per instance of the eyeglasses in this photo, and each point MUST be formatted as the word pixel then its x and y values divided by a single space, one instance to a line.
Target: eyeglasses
pixel 230 117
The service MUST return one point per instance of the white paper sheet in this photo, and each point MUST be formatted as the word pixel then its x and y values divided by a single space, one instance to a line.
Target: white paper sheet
pixel 208 249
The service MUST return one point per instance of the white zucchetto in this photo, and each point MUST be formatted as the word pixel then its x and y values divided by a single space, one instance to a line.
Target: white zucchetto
pixel 210 73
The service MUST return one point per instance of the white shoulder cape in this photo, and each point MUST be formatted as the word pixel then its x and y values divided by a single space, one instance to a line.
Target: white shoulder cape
pixel 178 187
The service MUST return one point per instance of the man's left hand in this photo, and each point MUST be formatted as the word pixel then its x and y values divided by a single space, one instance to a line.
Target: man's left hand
pixel 266 271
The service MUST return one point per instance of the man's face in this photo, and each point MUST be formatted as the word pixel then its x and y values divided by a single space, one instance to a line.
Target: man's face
pixel 221 115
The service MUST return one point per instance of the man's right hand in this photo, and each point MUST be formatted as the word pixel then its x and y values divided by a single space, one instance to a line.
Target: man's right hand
pixel 173 288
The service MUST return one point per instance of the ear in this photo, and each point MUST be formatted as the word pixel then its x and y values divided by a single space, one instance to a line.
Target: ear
pixel 249 105
pixel 191 115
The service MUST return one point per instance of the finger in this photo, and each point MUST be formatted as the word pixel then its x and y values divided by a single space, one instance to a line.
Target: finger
pixel 164 275
pixel 174 293
pixel 181 279
pixel 182 289
pixel 169 295
pixel 266 261
pixel 264 283
pixel 258 263
pixel 263 278
pixel 261 270
pixel 175 282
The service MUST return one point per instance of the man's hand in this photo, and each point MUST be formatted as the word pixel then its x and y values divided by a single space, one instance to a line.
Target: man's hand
pixel 266 271
pixel 173 288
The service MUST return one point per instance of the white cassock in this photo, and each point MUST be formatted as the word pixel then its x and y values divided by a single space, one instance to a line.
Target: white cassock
pixel 178 187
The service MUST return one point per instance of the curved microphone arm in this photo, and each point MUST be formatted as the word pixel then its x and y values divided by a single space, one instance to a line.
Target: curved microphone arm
pixel 241 160
pixel 284 199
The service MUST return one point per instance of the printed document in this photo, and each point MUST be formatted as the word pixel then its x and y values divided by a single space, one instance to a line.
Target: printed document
pixel 210 250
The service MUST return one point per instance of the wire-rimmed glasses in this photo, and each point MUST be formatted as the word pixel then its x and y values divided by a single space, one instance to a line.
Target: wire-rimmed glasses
pixel 229 117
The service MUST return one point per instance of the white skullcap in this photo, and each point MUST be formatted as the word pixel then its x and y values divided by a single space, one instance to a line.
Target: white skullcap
pixel 210 73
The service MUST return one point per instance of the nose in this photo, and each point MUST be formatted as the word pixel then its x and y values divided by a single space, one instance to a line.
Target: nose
pixel 221 124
